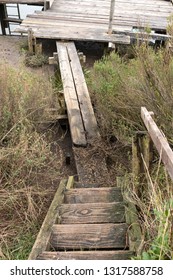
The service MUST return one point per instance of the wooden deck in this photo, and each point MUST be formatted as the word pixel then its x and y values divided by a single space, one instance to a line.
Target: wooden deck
pixel 29 2
pixel 88 20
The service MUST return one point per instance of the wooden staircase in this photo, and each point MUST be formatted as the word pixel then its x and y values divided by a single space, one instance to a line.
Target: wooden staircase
pixel 89 224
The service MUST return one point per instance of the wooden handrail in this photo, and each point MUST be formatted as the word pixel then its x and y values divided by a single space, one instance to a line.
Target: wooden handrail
pixel 159 140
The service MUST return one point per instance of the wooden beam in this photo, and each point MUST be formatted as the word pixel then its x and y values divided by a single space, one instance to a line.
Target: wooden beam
pixel 42 242
pixel 159 140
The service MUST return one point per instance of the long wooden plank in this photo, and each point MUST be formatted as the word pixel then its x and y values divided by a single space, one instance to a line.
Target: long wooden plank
pixel 92 213
pixel 87 255
pixel 87 112
pixel 73 110
pixel 93 195
pixel 159 140
pixel 42 241
pixel 89 236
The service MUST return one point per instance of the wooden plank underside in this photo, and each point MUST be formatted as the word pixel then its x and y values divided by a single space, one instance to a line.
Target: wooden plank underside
pixel 71 99
pixel 86 255
pixel 159 141
pixel 92 213
pixel 93 195
pixel 89 236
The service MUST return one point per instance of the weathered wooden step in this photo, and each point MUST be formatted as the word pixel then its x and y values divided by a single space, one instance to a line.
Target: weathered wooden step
pixel 93 195
pixel 86 255
pixel 87 185
pixel 92 213
pixel 89 236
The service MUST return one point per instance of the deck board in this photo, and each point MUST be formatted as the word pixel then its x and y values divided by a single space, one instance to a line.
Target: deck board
pixel 88 20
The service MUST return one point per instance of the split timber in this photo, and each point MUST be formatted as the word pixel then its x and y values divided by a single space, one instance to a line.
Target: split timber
pixel 88 20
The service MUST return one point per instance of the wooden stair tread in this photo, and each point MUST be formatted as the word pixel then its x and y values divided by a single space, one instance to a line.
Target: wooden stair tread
pixel 89 236
pixel 93 195
pixel 86 255
pixel 91 213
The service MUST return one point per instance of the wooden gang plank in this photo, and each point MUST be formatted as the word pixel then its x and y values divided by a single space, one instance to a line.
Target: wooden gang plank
pixel 73 110
pixel 89 236
pixel 87 112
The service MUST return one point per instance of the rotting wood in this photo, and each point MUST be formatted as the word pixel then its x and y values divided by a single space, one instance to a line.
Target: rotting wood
pixel 159 141
pixel 93 195
pixel 92 213
pixel 89 236
pixel 42 241
pixel 134 229
pixel 87 255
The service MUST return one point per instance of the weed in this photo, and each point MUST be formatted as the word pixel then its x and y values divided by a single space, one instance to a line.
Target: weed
pixel 36 60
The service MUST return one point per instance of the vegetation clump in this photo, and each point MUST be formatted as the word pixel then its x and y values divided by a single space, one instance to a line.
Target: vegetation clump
pixel 119 88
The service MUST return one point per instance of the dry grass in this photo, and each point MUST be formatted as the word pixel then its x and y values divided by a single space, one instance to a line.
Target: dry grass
pixel 29 170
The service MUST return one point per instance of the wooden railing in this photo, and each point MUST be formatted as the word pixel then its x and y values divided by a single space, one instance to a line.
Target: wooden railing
pixel 159 140
pixel 142 147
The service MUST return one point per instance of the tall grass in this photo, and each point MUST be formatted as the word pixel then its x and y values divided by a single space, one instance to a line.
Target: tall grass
pixel 119 88
pixel 27 165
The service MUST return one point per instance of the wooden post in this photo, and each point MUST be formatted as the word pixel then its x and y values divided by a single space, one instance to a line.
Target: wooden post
pixel 46 5
pixel 32 43
pixel 2 18
pixel 111 16
pixel 141 158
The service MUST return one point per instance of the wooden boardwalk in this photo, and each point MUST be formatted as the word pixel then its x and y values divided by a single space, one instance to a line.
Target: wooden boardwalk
pixel 82 121
pixel 88 20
